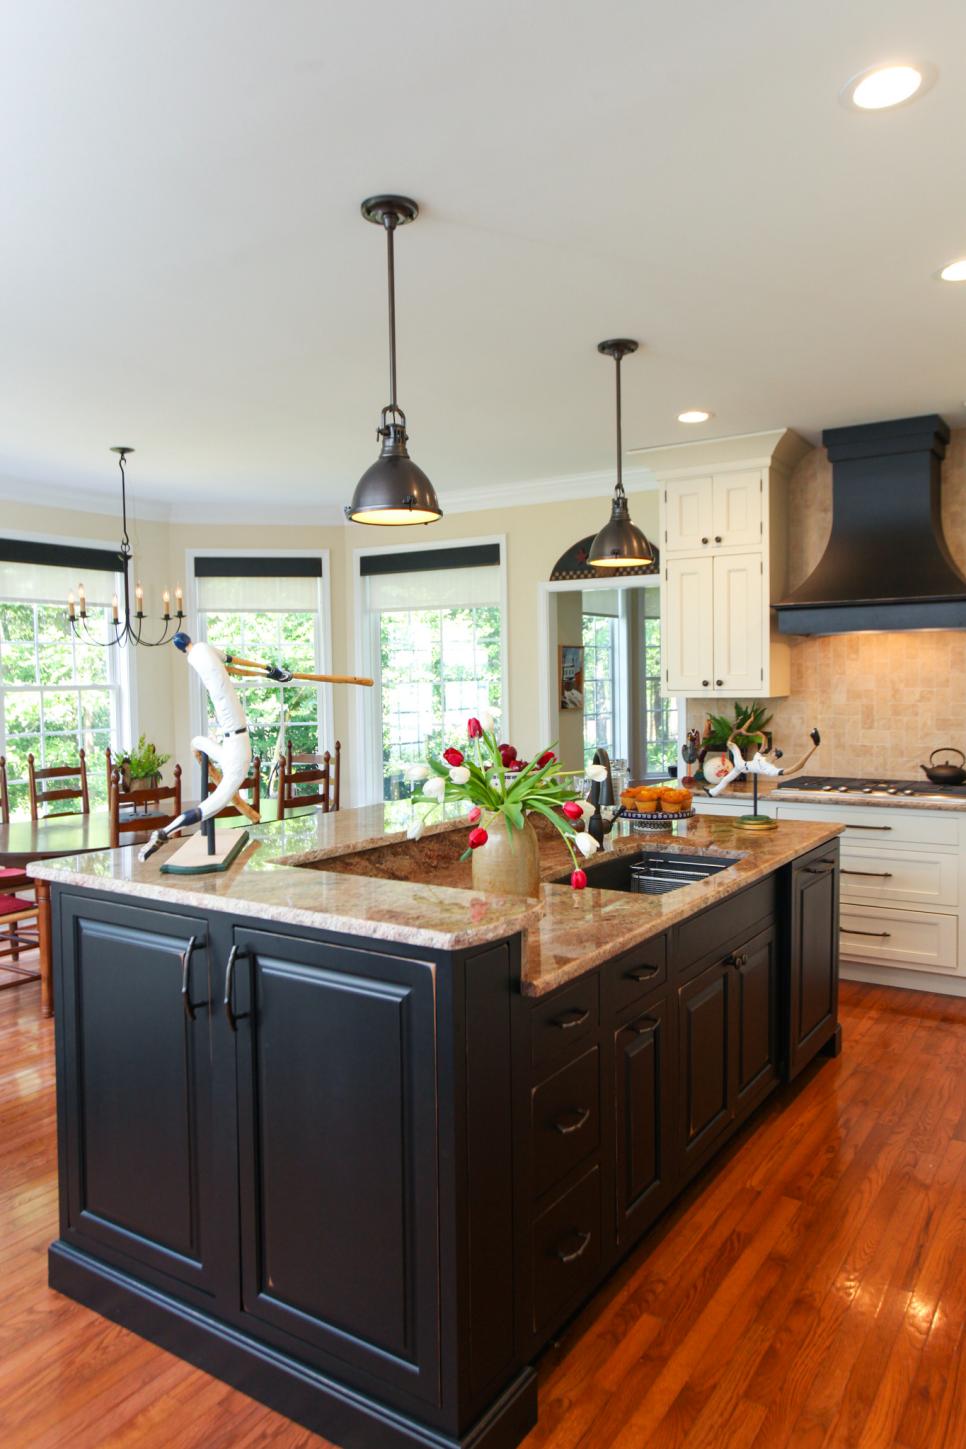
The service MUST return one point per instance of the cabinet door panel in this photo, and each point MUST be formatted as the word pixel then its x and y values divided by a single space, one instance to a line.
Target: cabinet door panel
pixel 706 1057
pixel 138 1124
pixel 689 515
pixel 337 1149
pixel 737 510
pixel 739 621
pixel 814 958
pixel 756 1006
pixel 644 1138
pixel 688 628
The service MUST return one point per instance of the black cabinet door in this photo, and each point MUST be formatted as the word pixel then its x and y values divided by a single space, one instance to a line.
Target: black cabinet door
pixel 707 1060
pixel 336 1057
pixel 643 1093
pixel 136 1140
pixel 756 1007
pixel 813 958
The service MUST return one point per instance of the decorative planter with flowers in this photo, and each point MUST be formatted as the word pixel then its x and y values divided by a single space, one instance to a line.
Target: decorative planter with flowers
pixel 502 792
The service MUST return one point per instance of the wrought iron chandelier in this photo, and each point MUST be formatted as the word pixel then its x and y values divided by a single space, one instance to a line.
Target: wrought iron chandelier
pixel 126 630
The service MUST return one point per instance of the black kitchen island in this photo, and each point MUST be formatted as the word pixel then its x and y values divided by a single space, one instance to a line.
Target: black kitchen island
pixel 359 1143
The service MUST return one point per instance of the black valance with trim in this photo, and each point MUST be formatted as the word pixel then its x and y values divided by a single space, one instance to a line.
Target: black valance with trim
pixel 258 568
pixel 61 556
pixel 425 560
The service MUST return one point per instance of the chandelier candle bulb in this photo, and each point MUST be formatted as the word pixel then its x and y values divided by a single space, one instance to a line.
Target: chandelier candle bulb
pixel 114 607
pixel 166 604
pixel 178 601
pixel 139 599
pixel 82 597
pixel 70 605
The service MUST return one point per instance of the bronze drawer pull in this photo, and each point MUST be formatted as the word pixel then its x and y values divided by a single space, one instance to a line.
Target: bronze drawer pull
pixel 233 955
pixel 822 868
pixel 879 874
pixel 641 973
pixel 868 827
pixel 572 1121
pixel 578 1252
pixel 737 958
pixel 187 1003
pixel 576 1017
pixel 850 931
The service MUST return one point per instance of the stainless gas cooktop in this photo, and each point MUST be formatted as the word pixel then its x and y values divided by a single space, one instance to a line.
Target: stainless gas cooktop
pixel 856 785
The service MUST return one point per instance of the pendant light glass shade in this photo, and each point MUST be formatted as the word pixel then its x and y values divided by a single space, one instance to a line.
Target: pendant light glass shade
pixel 620 544
pixel 394 490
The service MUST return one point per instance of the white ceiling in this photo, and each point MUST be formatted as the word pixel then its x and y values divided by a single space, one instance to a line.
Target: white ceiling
pixel 183 266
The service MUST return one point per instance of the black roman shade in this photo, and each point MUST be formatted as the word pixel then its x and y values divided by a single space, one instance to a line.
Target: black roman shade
pixel 79 559
pixel 472 556
pixel 258 568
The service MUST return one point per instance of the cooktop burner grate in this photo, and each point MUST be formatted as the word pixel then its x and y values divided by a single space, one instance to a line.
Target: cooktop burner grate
pixel 856 785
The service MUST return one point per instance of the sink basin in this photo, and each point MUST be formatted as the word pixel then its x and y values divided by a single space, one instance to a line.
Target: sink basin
pixel 653 871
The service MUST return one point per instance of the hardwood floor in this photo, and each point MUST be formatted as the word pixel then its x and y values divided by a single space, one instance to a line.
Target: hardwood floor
pixel 811 1290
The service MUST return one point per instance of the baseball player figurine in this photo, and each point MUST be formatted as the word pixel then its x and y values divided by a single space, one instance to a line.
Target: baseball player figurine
pixel 755 767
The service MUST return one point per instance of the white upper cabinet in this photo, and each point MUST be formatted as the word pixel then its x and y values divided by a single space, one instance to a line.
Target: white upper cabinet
pixel 723 510
pixel 740 623
pixel 736 510
pixel 687 637
pixel 689 516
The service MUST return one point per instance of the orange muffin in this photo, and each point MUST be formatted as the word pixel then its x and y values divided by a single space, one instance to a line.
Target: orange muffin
pixel 675 800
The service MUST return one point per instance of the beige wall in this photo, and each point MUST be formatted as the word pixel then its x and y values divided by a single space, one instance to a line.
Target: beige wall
pixel 536 535
pixel 881 701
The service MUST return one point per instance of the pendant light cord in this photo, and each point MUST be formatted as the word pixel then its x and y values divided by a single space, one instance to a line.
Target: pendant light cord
pixel 389 222
pixel 619 490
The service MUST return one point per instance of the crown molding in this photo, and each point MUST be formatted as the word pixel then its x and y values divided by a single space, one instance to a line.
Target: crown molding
pixel 565 488
pixel 106 505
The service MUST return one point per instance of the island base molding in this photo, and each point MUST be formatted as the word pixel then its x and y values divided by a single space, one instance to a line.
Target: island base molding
pixel 294 1389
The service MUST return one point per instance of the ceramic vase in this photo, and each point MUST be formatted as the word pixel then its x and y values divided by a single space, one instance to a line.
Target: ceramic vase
pixel 509 863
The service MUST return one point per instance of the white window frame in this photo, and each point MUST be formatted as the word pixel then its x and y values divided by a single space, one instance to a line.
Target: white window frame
pixel 197 712
pixel 365 764
pixel 125 682
pixel 547 633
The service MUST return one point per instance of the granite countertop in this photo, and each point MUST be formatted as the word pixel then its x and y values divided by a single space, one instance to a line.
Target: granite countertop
pixel 788 795
pixel 565 932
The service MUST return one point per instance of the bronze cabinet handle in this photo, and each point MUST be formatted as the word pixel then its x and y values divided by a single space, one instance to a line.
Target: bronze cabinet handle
pixel 233 955
pixel 576 1017
pixel 583 1239
pixel 851 931
pixel 572 1121
pixel 737 958
pixel 717 538
pixel 704 540
pixel 187 1003
pixel 641 973
pixel 719 683
pixel 705 683
pixel 878 874
pixel 823 867
pixel 868 827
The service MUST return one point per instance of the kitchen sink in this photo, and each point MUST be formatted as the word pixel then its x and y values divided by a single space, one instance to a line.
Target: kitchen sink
pixel 653 871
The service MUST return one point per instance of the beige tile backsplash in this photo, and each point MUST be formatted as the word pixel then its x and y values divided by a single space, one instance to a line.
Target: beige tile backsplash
pixel 881 701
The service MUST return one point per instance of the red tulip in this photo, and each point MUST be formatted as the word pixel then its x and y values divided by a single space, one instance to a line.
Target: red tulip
pixel 578 879
pixel 545 758
pixel 474 729
pixel 453 756
pixel 572 810
pixel 477 838
pixel 474 815
pixel 507 753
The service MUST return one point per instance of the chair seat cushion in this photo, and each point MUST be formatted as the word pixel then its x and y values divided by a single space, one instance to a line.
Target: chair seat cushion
pixel 9 904
pixel 12 875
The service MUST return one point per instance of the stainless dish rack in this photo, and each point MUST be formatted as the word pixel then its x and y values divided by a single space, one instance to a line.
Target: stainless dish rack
pixel 655 873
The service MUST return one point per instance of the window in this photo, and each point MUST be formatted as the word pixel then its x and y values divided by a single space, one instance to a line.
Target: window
pixel 434 644
pixel 268 609
pixel 57 695
pixel 661 712
pixel 601 645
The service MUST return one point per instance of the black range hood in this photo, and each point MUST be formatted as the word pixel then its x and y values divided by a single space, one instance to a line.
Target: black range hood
pixel 886 565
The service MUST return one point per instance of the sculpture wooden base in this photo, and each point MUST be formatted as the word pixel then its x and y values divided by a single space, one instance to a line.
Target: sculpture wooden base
pixel 193 857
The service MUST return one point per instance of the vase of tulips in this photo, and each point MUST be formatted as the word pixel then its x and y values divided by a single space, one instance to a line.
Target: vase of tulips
pixel 502 793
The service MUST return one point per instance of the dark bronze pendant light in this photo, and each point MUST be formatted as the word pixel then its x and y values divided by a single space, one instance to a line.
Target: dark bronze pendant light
pixel 394 490
pixel 619 545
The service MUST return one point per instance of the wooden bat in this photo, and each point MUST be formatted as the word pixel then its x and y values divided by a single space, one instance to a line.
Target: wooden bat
pixel 249 812
pixel 256 669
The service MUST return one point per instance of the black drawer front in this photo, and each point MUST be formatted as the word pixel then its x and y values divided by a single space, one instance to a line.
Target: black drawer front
pixel 565 1120
pixel 562 1024
pixel 638 971
pixel 710 932
pixel 566 1250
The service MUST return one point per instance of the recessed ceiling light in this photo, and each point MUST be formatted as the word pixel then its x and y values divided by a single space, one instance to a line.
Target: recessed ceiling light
pixel 954 272
pixel 883 86
pixel 694 415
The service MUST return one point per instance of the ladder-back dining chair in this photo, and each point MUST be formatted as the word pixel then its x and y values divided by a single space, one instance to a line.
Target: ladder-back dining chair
pixel 299 771
pixel 17 912
pixel 135 823
pixel 40 797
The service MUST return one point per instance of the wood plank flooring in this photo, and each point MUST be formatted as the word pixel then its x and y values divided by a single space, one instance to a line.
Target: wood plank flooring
pixel 810 1290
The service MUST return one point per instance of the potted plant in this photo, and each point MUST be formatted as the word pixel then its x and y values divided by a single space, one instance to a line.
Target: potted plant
pixel 141 769
pixel 749 720
pixel 502 793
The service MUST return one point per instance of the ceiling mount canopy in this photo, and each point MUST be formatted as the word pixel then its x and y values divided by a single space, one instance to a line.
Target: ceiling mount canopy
pixel 620 544
pixel 394 490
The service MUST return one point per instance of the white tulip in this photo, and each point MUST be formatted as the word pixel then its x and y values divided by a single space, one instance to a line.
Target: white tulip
pixel 435 788
pixel 585 842
pixel 417 772
pixel 415 828
pixel 596 772
pixel 488 717
pixel 459 774
pixel 587 808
